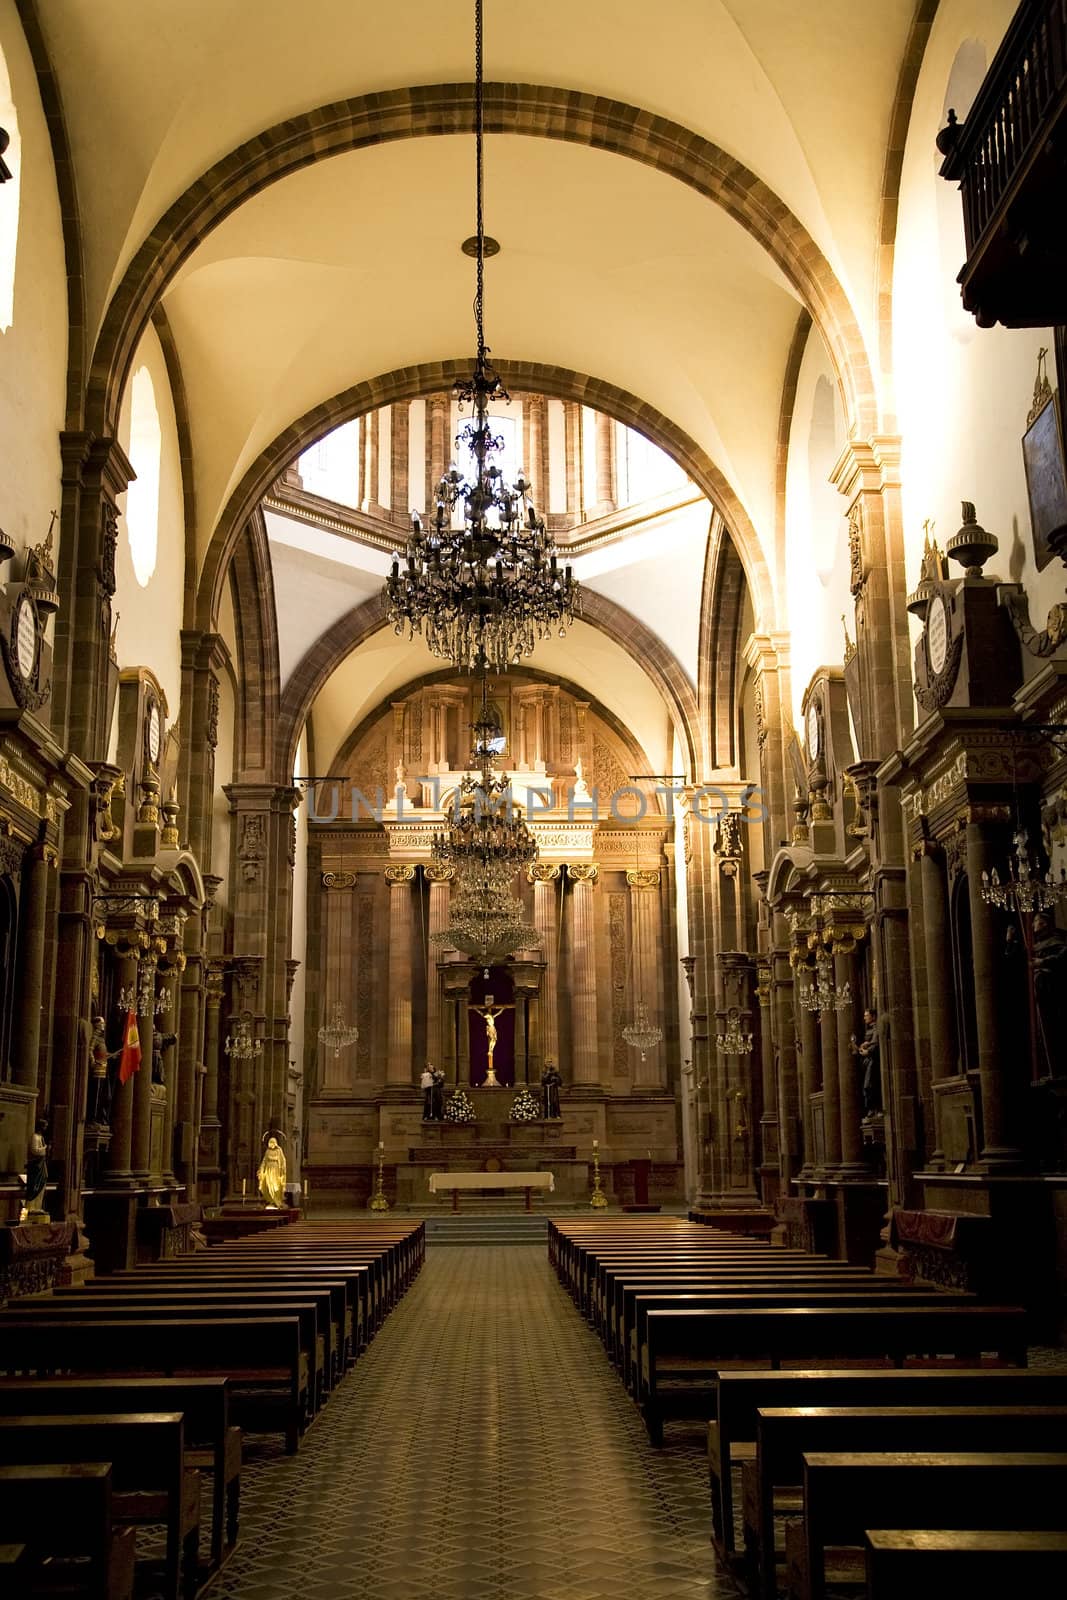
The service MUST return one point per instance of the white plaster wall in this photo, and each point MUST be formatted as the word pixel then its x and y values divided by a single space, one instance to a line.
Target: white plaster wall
pixel 151 616
pixel 963 392
pixel 816 529
pixel 33 351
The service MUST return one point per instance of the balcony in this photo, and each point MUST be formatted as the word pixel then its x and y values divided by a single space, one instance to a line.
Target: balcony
pixel 1010 160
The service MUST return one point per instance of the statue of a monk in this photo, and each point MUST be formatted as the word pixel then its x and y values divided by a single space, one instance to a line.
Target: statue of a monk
pixel 271 1174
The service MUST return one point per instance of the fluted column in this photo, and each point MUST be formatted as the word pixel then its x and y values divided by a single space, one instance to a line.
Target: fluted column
pixel 398 461
pixel 848 1065
pixel 120 1151
pixel 33 916
pixel 398 1066
pixel 437 406
pixel 142 1080
pixel 170 977
pixel 650 1072
pixel 831 1102
pixel 996 1058
pixel 209 1173
pixel 544 875
pixel 537 467
pixel 439 879
pixel 808 1036
pixel 572 420
pixel 583 876
pixel 605 464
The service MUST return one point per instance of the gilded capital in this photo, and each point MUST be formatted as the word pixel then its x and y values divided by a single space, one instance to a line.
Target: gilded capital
pixel 338 880
pixel 642 878
pixel 583 871
pixel 438 872
pixel 543 872
pixel 400 872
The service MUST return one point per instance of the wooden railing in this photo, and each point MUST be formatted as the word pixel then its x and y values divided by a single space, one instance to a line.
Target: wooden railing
pixel 1008 121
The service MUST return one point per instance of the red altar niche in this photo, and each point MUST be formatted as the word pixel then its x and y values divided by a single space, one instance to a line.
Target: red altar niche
pixel 496 994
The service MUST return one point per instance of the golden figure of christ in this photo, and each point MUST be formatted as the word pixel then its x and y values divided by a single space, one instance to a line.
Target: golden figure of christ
pixel 490 1013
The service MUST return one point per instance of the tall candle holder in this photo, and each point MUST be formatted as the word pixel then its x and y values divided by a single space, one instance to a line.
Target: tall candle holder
pixel 598 1199
pixel 378 1202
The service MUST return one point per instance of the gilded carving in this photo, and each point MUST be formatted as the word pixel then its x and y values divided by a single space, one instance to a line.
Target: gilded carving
pixel 400 872
pixel 643 878
pixel 543 872
pixel 20 788
pixel 338 880
pixel 583 871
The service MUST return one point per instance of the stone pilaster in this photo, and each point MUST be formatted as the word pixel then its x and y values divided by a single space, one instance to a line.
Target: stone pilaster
pixel 544 875
pixel 605 464
pixel 437 452
pixel 204 657
pixel 440 880
pixel 398 462
pixel 399 1066
pixel 583 975
pixel 650 1073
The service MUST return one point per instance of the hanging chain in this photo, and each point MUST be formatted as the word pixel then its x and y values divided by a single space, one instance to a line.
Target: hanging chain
pixel 479 141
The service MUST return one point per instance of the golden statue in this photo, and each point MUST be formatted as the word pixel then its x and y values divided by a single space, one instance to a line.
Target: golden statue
pixel 490 1013
pixel 271 1174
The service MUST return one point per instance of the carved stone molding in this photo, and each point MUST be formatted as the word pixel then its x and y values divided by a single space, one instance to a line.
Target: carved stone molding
pixel 543 872
pixel 438 872
pixel 398 873
pixel 583 871
pixel 644 878
pixel 339 880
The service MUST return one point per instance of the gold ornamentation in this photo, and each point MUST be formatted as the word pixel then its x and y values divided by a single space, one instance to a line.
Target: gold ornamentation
pixel 338 880
pixel 543 872
pixel 438 872
pixel 400 872
pixel 20 788
pixel 598 1199
pixel 583 871
pixel 643 878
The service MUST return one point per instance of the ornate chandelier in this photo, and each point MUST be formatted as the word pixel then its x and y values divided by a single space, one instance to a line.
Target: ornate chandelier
pixel 642 1033
pixel 820 993
pixel 482 583
pixel 1026 890
pixel 485 835
pixel 733 1042
pixel 337 1034
pixel 485 921
pixel 240 1045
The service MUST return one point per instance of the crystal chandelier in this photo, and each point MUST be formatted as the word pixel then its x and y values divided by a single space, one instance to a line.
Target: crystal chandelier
pixel 733 1042
pixel 485 835
pixel 642 1033
pixel 336 1034
pixel 820 993
pixel 143 998
pixel 1026 890
pixel 485 921
pixel 485 592
pixel 240 1045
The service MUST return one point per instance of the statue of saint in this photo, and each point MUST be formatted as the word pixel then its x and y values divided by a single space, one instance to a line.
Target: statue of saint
pixel 426 1085
pixel 161 1042
pixel 36 1175
pixel 437 1096
pixel 271 1174
pixel 868 1056
pixel 550 1083
pixel 99 1082
pixel 490 1013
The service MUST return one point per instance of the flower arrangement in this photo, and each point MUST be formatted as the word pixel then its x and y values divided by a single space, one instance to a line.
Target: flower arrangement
pixel 526 1107
pixel 460 1108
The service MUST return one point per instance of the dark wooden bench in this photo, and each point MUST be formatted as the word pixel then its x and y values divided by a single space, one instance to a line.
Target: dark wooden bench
pixel 739 1396
pixel 262 1356
pixel 685 1348
pixel 87 1555
pixel 211 1443
pixel 932 1564
pixel 14 1571
pixel 845 1493
pixel 784 1435
pixel 149 1479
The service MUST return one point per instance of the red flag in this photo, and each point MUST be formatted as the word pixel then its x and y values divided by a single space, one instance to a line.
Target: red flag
pixel 130 1060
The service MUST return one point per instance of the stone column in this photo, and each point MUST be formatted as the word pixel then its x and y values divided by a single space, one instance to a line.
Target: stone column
pixel 605 465
pixel 650 1073
pixel 808 1035
pixel 190 1054
pixel 785 1037
pixel 572 419
pixel 848 1067
pixel 769 1157
pixel 170 975
pixel 204 657
pixel 537 467
pixel 544 875
pixel 142 1080
pixel 120 1151
pixel 371 503
pixel 996 1057
pixel 210 1171
pixel 831 1096
pixel 437 452
pixel 398 462
pixel 399 1070
pixel 338 899
pixel 940 1018
pixel 583 876
pixel 439 879
pixel 33 919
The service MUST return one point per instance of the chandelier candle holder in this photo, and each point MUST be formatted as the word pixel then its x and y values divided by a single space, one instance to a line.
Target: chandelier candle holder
pixel 482 583
pixel 337 1034
pixel 1026 890
pixel 734 1042
pixel 642 1033
pixel 240 1045
pixel 378 1202
pixel 598 1199
pixel 820 993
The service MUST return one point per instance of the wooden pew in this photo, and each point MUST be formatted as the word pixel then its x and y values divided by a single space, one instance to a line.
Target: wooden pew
pixel 784 1435
pixel 210 1441
pixel 930 1564
pixel 739 1396
pixel 261 1354
pixel 92 1558
pixel 149 1480
pixel 689 1346
pixel 14 1571
pixel 844 1493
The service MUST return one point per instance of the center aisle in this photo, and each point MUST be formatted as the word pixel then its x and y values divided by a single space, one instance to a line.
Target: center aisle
pixel 481 1449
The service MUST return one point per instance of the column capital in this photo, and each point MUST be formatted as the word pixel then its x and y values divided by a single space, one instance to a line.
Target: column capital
pixel 642 878
pixel 583 871
pixel 543 872
pixel 398 873
pixel 338 880
pixel 438 872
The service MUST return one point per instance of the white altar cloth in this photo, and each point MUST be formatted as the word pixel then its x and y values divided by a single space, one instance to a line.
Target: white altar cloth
pixel 492 1180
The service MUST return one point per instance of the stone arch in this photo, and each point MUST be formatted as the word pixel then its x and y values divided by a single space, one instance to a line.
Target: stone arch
pixel 534 110
pixel 366 619
pixel 258 671
pixel 405 383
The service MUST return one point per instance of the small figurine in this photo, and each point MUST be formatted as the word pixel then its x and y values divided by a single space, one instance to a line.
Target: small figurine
pixel 99 1081
pixel 426 1085
pixel 437 1095
pixel 271 1174
pixel 550 1084
pixel 36 1175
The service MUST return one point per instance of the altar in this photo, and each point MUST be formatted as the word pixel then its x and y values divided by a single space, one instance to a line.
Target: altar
pixel 491 1180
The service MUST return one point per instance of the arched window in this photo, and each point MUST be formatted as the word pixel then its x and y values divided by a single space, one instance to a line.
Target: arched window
pixel 142 498
pixel 9 199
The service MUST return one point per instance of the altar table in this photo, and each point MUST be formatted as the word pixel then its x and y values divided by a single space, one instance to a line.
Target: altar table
pixel 491 1180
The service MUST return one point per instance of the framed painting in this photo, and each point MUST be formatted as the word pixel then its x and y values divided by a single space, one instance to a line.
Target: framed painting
pixel 1046 480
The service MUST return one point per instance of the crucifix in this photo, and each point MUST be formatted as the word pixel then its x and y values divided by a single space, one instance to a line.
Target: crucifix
pixel 490 1013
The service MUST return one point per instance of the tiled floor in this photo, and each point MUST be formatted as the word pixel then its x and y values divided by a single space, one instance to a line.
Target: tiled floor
pixel 481 1449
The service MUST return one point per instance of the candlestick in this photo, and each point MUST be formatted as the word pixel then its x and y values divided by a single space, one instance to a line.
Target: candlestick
pixel 378 1202
pixel 598 1199
pixel 244 1187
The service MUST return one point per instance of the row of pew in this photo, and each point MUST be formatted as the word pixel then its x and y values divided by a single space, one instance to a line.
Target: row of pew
pixel 117 1395
pixel 879 1432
